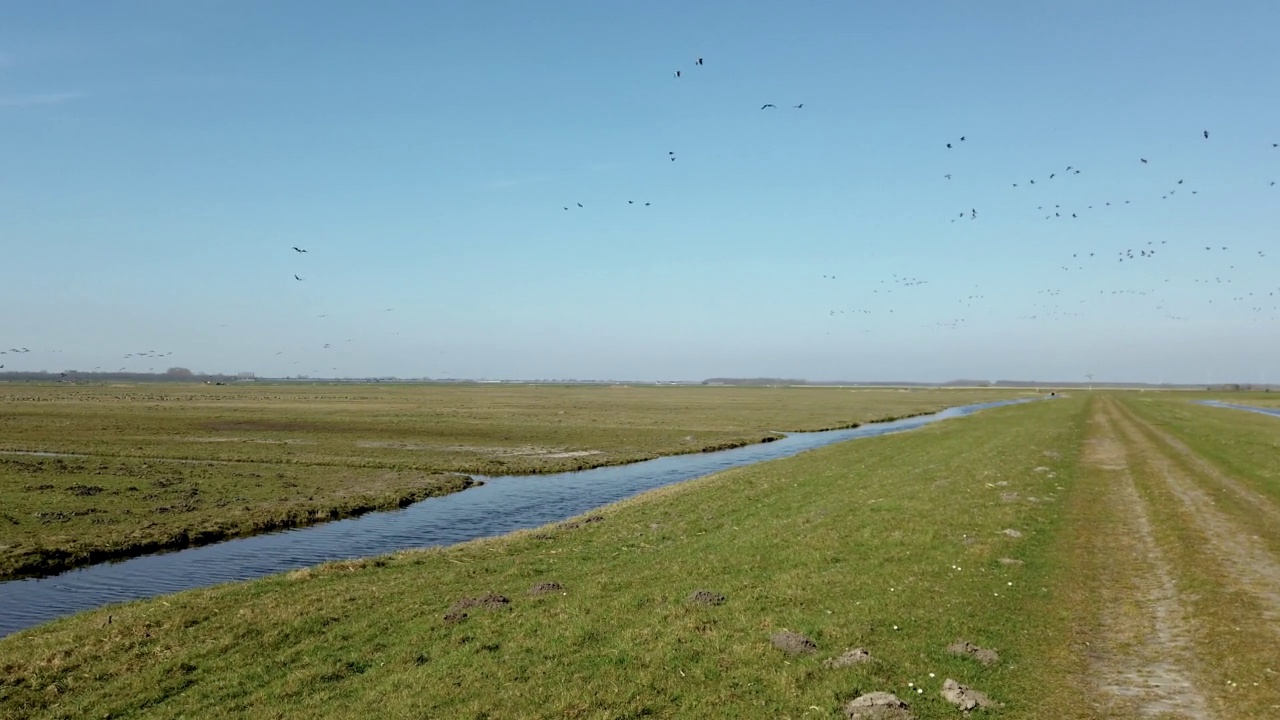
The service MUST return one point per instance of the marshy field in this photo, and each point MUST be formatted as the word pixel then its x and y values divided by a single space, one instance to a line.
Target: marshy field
pixel 92 473
pixel 1098 555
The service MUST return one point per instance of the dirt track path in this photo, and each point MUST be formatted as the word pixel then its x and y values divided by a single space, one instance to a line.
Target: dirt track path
pixel 1229 540
pixel 1143 662
pixel 1185 593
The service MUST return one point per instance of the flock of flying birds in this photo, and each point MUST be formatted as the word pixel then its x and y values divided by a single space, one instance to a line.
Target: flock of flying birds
pixel 1261 303
pixel 1163 298
pixel 72 374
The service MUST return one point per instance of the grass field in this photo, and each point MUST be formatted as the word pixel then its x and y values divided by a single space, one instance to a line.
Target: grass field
pixel 893 544
pixel 91 473
pixel 1119 551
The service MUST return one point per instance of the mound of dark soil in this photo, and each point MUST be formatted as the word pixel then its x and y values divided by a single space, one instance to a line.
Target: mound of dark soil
pixel 965 697
pixel 706 597
pixel 968 649
pixel 855 656
pixel 543 588
pixel 877 706
pixel 489 601
pixel 579 523
pixel 793 643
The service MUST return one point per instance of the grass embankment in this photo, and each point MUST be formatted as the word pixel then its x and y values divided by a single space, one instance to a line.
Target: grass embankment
pixel 893 544
pixel 151 468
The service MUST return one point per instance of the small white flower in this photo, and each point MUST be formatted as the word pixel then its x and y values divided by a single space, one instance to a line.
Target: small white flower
pixel 932 675
pixel 919 690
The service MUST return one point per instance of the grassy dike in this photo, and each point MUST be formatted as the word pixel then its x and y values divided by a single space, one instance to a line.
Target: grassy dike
pixel 893 544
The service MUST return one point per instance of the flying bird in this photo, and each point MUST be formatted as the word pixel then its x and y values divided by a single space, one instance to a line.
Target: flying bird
pixel 1144 160
pixel 677 73
pixel 295 277
pixel 1206 134
pixel 797 107
pixel 699 61
pixel 768 105
pixel 298 249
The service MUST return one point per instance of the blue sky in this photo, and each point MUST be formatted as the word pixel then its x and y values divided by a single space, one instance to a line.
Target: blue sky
pixel 160 160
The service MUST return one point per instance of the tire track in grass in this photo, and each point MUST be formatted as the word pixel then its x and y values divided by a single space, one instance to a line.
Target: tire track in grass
pixel 1254 569
pixel 1260 503
pixel 1142 664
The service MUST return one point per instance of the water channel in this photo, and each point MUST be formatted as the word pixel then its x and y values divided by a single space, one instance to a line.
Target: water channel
pixel 1274 412
pixel 500 505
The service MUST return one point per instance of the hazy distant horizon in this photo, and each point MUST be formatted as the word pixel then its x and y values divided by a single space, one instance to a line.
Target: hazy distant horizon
pixel 104 376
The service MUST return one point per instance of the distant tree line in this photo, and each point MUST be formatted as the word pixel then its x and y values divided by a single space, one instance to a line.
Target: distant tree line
pixel 753 381
pixel 174 374
pixel 1238 387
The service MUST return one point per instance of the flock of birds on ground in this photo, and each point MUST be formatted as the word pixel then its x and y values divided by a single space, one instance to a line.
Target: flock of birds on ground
pixel 1259 303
